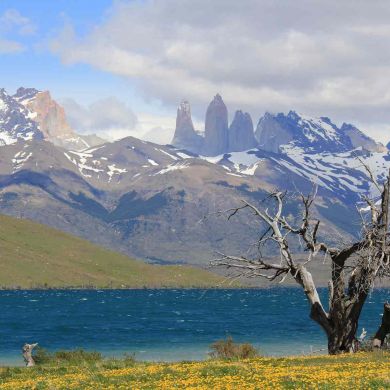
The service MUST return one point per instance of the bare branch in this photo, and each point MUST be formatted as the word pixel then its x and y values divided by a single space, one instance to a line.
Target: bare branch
pixel 359 263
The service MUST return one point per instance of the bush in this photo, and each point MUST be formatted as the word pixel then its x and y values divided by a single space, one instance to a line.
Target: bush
pixel 42 356
pixel 229 350
pixel 78 355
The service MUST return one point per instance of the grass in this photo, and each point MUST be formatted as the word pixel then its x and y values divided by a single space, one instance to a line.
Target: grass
pixel 357 371
pixel 37 256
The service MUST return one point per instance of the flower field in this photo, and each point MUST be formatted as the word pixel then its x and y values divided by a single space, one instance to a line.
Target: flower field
pixel 359 371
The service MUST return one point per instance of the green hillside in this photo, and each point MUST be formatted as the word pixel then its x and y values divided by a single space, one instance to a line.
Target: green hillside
pixel 34 255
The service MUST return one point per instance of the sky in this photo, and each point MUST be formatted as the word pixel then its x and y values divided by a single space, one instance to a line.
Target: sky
pixel 121 67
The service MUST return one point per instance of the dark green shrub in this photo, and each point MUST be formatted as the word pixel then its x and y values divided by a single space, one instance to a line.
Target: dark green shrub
pixel 229 350
pixel 77 356
pixel 42 356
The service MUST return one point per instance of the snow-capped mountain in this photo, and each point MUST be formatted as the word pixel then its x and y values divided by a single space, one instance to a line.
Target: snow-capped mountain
pixel 16 122
pixel 151 200
pixel 314 135
pixel 31 114
pixel 341 174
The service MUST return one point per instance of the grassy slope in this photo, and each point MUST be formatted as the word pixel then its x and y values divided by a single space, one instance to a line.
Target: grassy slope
pixel 34 255
pixel 358 371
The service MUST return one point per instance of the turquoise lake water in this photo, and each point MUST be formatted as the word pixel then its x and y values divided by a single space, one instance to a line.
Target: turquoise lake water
pixel 165 325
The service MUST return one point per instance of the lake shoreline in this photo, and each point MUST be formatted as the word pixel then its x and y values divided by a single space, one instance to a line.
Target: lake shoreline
pixel 129 288
pixel 167 324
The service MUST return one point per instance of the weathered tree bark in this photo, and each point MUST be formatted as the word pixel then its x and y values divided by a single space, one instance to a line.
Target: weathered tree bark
pixel 384 329
pixel 27 354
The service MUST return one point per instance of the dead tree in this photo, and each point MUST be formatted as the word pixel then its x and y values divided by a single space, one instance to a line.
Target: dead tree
pixel 354 268
pixel 27 354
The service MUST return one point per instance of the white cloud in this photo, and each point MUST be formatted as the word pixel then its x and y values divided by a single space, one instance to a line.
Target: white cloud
pixel 13 19
pixel 160 128
pixel 159 135
pixel 106 117
pixel 320 57
pixel 13 23
pixel 7 46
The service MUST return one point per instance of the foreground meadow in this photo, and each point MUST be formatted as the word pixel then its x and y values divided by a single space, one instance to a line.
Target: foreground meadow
pixel 359 371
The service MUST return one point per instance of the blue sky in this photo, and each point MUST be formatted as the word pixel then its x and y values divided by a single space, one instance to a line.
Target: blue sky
pixel 37 67
pixel 34 65
pixel 323 58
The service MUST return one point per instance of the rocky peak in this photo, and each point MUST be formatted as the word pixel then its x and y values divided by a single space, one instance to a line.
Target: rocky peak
pixel 23 94
pixel 311 134
pixel 271 134
pixel 184 109
pixel 359 139
pixel 185 135
pixel 241 136
pixel 3 99
pixel 49 115
pixel 216 128
pixel 15 121
pixel 184 123
pixel 292 115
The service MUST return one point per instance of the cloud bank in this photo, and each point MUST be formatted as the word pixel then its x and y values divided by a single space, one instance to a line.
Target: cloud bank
pixel 107 117
pixel 319 57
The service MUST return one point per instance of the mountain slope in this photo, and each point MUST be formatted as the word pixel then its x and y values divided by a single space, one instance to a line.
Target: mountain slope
pixel 160 203
pixel 33 255
pixel 150 201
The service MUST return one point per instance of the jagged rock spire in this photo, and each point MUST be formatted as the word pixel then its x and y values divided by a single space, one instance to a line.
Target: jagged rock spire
pixel 185 134
pixel 216 128
pixel 184 125
pixel 241 136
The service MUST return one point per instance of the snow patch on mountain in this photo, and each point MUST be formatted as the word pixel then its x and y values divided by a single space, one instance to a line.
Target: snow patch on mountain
pixel 113 170
pixel 20 159
pixel 168 154
pixel 173 167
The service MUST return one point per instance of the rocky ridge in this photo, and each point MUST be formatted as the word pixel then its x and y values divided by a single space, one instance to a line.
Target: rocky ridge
pixel 272 132
pixel 31 114
pixel 16 122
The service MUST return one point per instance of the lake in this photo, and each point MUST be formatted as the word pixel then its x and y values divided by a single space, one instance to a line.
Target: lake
pixel 165 325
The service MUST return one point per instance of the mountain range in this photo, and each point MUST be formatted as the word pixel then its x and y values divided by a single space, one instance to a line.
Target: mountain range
pixel 161 203
pixel 272 133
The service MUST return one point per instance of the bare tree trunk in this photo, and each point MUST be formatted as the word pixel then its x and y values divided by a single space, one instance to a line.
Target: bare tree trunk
pixel 344 317
pixel 354 267
pixel 27 354
pixel 384 329
pixel 343 338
